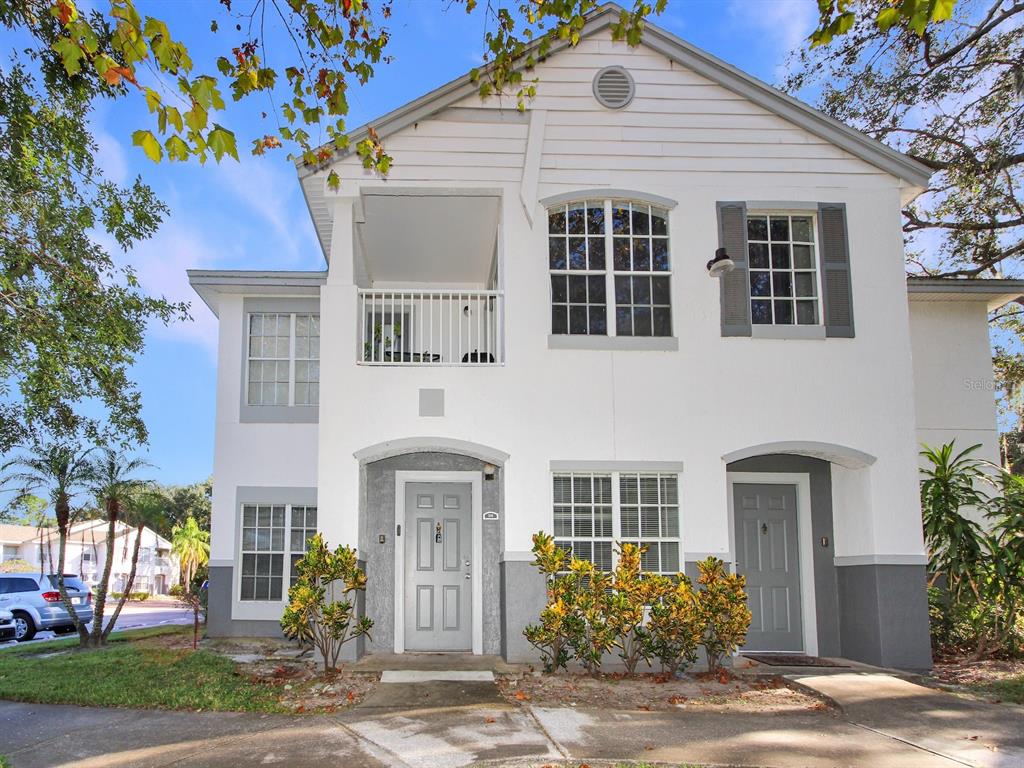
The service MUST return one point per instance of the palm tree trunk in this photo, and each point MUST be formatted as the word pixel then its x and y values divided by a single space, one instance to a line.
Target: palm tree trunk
pixel 63 511
pixel 128 586
pixel 96 636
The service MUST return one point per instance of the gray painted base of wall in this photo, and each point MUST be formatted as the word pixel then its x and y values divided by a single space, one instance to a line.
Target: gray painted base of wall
pixel 220 624
pixel 884 615
pixel 218 614
pixel 523 596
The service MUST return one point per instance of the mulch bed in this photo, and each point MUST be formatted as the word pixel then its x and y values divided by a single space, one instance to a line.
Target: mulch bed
pixel 647 692
pixel 301 683
pixel 962 670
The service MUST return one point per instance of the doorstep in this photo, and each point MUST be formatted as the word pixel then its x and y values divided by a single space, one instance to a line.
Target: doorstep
pixel 436 662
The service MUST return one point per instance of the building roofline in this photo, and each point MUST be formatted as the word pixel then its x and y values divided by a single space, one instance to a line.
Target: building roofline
pixel 995 291
pixel 209 283
pixel 853 141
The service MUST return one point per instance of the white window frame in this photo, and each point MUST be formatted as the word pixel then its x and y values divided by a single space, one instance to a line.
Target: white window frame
pixel 291 360
pixel 616 537
pixel 609 272
pixel 286 552
pixel 803 213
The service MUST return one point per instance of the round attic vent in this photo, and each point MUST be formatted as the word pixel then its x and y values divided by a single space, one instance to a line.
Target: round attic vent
pixel 613 87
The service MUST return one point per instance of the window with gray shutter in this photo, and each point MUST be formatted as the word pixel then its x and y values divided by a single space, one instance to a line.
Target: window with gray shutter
pixel 837 292
pixel 735 295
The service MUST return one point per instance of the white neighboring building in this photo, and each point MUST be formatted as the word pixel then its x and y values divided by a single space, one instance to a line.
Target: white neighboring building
pixel 517 332
pixel 156 571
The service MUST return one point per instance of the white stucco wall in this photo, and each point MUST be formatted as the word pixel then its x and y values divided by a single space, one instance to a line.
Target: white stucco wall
pixel 953 375
pixel 712 397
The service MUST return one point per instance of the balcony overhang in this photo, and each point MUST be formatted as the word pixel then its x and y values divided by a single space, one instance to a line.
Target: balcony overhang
pixel 409 237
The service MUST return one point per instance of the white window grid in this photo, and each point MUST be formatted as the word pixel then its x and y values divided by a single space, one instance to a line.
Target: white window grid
pixel 307 359
pixel 592 511
pixel 782 262
pixel 283 359
pixel 590 295
pixel 641 269
pixel 577 257
pixel 649 517
pixel 303 528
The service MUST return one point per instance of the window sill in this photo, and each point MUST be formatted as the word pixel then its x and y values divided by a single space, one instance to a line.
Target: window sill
pixel 279 414
pixel 810 332
pixel 614 343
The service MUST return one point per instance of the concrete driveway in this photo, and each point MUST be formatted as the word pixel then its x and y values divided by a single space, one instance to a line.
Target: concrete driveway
pixel 450 734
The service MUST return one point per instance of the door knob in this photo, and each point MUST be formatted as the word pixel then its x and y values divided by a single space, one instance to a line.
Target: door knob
pixel 469 576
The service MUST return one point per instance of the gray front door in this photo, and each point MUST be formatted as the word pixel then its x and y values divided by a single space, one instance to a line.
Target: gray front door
pixel 767 554
pixel 438 567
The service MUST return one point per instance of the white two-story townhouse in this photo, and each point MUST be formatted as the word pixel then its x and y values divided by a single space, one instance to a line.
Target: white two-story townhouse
pixel 519 331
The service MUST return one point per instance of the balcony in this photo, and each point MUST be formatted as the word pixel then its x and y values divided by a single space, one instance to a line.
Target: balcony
pixel 431 327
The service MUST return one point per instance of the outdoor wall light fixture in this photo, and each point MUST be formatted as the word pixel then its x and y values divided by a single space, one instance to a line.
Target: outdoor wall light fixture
pixel 721 264
pixel 489 471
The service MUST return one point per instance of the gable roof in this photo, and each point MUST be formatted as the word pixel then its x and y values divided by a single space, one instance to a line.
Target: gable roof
pixel 839 134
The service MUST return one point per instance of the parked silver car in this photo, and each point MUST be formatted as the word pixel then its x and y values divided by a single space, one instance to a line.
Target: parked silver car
pixel 7 630
pixel 36 604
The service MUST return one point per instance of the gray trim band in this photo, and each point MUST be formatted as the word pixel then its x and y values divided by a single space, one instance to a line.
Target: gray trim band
pixel 620 194
pixel 950 285
pixel 757 206
pixel 806 332
pixel 259 494
pixel 850 560
pixel 614 343
pixel 516 557
pixel 615 466
pixel 430 444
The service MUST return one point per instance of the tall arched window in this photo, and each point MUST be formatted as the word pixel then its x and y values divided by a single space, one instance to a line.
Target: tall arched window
pixel 610 269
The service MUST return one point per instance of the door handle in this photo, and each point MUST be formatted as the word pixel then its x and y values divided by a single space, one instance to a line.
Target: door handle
pixel 469 575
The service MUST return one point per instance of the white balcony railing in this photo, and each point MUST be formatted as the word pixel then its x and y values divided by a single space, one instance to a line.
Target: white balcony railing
pixel 424 327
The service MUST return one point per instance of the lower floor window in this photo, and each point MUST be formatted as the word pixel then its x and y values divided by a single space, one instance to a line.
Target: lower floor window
pixel 265 546
pixel 593 511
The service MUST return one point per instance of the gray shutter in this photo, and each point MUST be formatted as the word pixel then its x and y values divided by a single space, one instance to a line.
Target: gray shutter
pixel 735 285
pixel 837 291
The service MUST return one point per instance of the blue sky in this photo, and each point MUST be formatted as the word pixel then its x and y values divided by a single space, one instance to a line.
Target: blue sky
pixel 250 214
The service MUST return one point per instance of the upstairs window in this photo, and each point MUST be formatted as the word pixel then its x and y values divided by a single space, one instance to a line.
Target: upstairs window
pixel 283 359
pixel 633 289
pixel 783 269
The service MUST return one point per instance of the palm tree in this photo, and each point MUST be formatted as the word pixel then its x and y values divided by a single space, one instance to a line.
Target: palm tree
pixel 146 507
pixel 192 546
pixel 62 470
pixel 110 479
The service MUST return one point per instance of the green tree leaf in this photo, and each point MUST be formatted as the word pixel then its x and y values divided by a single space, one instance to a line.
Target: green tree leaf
pixel 149 144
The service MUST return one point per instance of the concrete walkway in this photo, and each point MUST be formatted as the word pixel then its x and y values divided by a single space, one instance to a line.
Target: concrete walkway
pixel 886 722
pixel 962 728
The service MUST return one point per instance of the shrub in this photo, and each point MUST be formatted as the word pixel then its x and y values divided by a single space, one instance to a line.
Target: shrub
pixel 595 632
pixel 675 627
pixel 558 622
pixel 313 613
pixel 722 610
pixel 176 590
pixel 627 606
pixel 138 596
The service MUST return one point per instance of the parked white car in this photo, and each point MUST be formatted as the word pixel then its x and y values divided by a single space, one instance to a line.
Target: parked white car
pixel 7 628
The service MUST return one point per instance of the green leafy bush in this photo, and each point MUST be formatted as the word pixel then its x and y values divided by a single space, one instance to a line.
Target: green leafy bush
pixel 722 608
pixel 675 627
pixel 176 590
pixel 558 622
pixel 316 612
pixel 643 616
pixel 138 596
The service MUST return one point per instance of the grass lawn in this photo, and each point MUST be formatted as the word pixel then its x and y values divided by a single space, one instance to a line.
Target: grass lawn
pixel 1011 689
pixel 149 668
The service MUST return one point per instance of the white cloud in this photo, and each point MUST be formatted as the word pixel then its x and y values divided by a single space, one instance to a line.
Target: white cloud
pixel 271 191
pixel 110 157
pixel 782 25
